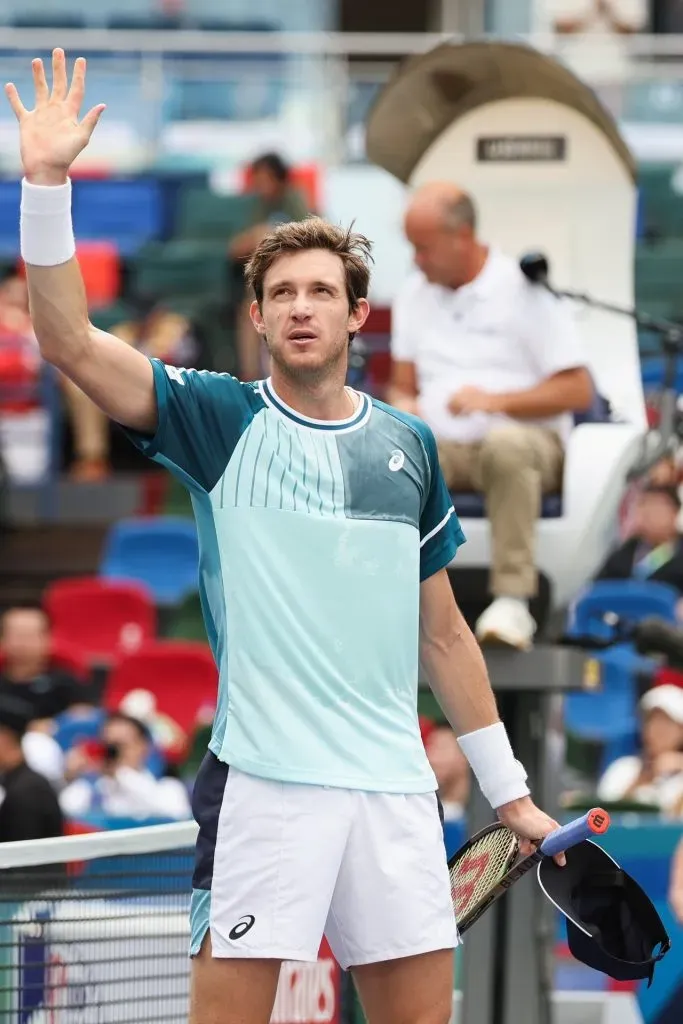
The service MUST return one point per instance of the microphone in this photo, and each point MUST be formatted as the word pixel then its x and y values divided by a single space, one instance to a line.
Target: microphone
pixel 654 636
pixel 534 266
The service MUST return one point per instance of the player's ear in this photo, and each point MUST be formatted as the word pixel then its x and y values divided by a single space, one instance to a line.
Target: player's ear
pixel 358 315
pixel 256 318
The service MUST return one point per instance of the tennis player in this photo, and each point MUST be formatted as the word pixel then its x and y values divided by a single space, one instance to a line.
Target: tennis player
pixel 325 529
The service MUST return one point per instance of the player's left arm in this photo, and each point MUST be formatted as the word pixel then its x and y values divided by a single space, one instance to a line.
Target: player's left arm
pixel 446 640
pixel 454 666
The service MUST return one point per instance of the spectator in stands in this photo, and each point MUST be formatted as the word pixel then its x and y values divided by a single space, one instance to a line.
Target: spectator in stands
pixel 20 359
pixel 27 668
pixel 580 17
pixel 654 551
pixel 655 776
pixel 29 808
pixel 158 332
pixel 676 884
pixel 276 201
pixel 161 333
pixel 451 769
pixel 495 367
pixel 112 779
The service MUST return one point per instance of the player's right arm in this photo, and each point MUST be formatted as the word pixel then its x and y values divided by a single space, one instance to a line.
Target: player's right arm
pixel 118 378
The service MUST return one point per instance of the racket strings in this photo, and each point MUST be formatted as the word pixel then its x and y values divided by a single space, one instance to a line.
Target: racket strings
pixel 480 868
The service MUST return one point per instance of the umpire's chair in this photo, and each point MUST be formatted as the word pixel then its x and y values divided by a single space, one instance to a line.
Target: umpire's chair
pixel 549 172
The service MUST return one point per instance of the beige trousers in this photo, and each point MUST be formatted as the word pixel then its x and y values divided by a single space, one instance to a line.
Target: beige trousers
pixel 512 467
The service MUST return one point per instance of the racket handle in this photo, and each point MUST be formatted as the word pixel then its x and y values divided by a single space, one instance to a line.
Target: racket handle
pixel 594 823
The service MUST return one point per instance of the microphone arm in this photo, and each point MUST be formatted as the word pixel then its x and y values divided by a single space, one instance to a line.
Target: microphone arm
pixel 670 336
pixel 669 331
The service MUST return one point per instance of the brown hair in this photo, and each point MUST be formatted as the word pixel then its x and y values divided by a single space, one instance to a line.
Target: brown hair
pixel 353 249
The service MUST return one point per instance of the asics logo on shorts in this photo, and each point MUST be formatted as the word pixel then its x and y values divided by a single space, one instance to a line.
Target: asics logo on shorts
pixel 242 927
pixel 397 460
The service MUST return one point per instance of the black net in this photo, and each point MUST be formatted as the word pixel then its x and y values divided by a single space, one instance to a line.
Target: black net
pixel 101 941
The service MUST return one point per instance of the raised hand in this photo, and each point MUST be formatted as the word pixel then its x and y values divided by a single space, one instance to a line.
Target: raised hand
pixel 50 135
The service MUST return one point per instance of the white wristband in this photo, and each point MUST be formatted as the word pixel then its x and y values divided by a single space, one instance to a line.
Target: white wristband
pixel 47 234
pixel 500 775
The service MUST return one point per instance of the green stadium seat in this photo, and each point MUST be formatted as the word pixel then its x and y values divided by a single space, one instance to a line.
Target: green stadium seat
pixel 658 271
pixel 186 621
pixel 181 268
pixel 428 706
pixel 204 214
pixel 177 501
pixel 215 326
pixel 199 742
pixel 662 202
pixel 109 316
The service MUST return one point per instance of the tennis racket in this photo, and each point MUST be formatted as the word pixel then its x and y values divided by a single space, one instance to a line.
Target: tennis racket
pixel 487 865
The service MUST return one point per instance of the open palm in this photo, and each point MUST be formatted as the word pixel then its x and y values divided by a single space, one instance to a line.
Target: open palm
pixel 51 136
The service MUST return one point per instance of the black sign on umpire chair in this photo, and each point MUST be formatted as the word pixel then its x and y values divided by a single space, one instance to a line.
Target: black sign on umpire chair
pixel 521 148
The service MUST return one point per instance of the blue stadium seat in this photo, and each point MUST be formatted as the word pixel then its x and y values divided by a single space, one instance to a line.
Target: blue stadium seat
pixel 10 197
pixel 161 552
pixel 652 372
pixel 127 212
pixel 71 729
pixel 471 506
pixel 608 716
pixel 631 600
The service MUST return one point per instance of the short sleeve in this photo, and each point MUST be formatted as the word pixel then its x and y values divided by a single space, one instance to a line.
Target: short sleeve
pixel 551 333
pixel 403 337
pixel 440 532
pixel 201 416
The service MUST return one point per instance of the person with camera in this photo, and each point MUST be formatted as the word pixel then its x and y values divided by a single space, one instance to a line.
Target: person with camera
pixel 109 778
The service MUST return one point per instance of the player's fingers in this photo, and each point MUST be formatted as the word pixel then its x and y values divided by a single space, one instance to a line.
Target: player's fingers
pixel 559 858
pixel 90 120
pixel 77 89
pixel 39 81
pixel 59 80
pixel 14 101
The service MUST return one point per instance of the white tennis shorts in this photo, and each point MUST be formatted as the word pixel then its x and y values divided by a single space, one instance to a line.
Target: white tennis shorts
pixel 278 865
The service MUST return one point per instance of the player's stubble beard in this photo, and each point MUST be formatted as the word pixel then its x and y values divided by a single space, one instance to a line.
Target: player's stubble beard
pixel 309 377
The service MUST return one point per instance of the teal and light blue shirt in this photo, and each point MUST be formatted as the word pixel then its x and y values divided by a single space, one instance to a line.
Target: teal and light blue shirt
pixel 314 537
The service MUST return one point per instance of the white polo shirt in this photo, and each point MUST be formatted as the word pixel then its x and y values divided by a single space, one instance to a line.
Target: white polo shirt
pixel 499 333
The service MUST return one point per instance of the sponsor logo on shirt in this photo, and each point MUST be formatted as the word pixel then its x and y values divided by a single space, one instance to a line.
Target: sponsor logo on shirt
pixel 396 460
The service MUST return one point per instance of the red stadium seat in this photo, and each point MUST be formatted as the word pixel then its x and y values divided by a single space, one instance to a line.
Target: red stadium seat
pixel 70 658
pixel 182 677
pixel 101 269
pixel 100 264
pixel 102 618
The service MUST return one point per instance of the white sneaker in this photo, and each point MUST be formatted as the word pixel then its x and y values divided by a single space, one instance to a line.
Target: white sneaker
pixel 507 621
